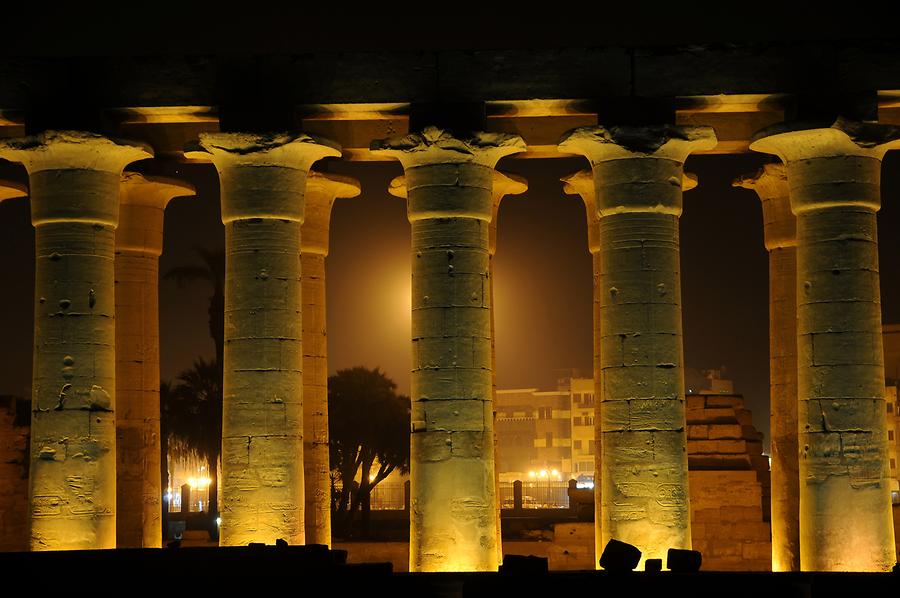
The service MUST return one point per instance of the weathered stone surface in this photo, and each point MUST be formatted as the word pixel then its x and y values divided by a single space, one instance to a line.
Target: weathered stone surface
pixel 321 191
pixel 74 179
pixel 263 183
pixel 833 174
pixel 449 188
pixel 139 238
pixel 637 180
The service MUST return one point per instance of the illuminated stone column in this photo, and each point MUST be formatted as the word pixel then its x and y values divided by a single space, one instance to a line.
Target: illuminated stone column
pixel 453 519
pixel 845 504
pixel 321 191
pixel 780 227
pixel 582 183
pixel 644 475
pixel 139 243
pixel 503 185
pixel 74 179
pixel 263 181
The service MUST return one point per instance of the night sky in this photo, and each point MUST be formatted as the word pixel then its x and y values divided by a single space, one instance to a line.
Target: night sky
pixel 542 276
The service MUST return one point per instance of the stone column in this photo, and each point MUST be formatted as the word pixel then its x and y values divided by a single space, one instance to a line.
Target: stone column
pixel 321 191
pixel 582 183
pixel 139 243
pixel 644 472
pixel 503 185
pixel 780 228
pixel 263 181
pixel 845 504
pixel 74 179
pixel 453 520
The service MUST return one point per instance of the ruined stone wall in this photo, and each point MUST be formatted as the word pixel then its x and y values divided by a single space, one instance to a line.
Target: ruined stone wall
pixel 14 432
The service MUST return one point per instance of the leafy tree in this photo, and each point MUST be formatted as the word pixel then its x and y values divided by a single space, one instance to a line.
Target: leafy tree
pixel 368 425
pixel 192 419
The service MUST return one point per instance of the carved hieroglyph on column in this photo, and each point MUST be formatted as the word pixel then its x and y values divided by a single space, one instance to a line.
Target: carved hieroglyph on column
pixel 845 503
pixel 74 179
pixel 503 185
pixel 263 182
pixel 139 243
pixel 644 474
pixel 321 191
pixel 582 183
pixel 780 228
pixel 453 523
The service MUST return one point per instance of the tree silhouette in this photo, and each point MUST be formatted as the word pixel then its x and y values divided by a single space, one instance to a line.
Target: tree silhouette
pixel 192 419
pixel 212 272
pixel 368 422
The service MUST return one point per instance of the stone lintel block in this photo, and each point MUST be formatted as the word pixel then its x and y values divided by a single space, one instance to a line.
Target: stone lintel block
pixel 718 431
pixel 262 175
pixel 697 432
pixel 711 415
pixel 321 191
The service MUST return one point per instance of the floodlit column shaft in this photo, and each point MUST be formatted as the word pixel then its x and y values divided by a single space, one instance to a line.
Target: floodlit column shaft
pixel 582 183
pixel 845 504
pixel 74 180
pixel 780 227
pixel 139 243
pixel 263 180
pixel 321 191
pixel 644 474
pixel 454 518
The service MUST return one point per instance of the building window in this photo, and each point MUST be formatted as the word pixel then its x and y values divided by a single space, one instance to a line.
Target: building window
pixel 589 399
pixel 893 464
pixel 576 421
pixel 589 420
pixel 578 445
pixel 890 408
pixel 890 434
pixel 591 444
pixel 549 439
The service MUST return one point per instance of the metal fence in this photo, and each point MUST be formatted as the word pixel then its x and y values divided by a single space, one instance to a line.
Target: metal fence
pixel 535 495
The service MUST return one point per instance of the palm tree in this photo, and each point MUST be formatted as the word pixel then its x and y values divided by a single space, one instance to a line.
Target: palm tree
pixel 213 272
pixel 192 419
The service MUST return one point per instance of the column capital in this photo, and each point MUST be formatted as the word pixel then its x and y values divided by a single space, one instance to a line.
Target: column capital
pixel 73 150
pixel 602 143
pixel 799 141
pixel 771 185
pixel 12 190
pixel 321 191
pixel 437 146
pixel 831 166
pixel 152 191
pixel 262 175
pixel 638 168
pixel 142 201
pixel 503 184
pixel 74 176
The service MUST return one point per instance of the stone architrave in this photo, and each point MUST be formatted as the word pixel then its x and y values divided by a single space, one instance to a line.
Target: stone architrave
pixel 454 515
pixel 321 191
pixel 139 243
pixel 263 183
pixel 845 504
pixel 638 174
pixel 503 185
pixel 74 179
pixel 780 230
pixel 582 183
